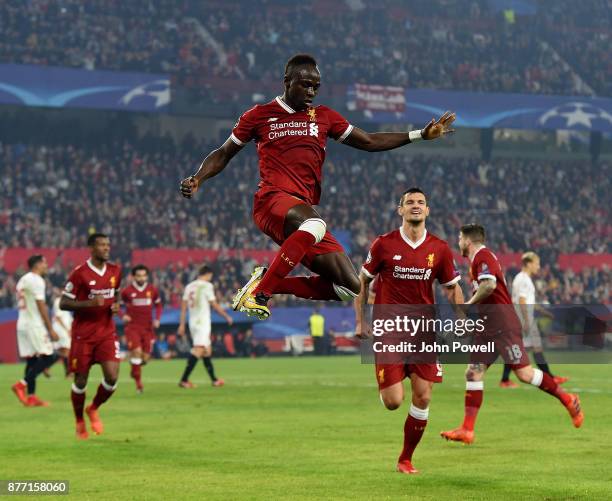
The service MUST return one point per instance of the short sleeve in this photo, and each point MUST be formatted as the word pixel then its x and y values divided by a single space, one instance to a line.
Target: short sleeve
pixel 374 262
pixel 339 128
pixel 244 130
pixel 486 268
pixel 210 293
pixel 520 287
pixel 38 288
pixel 448 273
pixel 73 285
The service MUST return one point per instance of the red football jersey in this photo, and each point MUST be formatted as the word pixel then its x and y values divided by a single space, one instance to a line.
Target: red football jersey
pixel 485 265
pixel 406 270
pixel 291 144
pixel 86 282
pixel 139 303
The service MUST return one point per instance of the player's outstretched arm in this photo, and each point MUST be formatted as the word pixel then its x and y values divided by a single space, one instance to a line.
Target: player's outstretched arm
pixel 214 163
pixel 383 141
pixel 361 330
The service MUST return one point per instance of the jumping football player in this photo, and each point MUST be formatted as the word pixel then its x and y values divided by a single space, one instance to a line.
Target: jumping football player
pixel 490 289
pixel 91 292
pixel 429 258
pixel 139 299
pixel 291 134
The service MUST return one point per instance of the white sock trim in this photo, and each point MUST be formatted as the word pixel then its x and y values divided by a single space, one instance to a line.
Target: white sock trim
pixel 316 227
pixel 136 361
pixel 474 385
pixel 107 386
pixel 417 413
pixel 77 390
pixel 538 375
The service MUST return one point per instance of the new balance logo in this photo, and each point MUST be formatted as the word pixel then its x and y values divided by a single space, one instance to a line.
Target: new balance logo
pixel 273 119
pixel 397 257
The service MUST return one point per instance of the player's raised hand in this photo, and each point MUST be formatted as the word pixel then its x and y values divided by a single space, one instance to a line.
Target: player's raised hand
pixel 189 186
pixel 439 128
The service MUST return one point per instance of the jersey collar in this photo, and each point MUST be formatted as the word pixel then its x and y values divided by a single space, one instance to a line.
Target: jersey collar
pixel 479 249
pixel 412 244
pixel 96 270
pixel 140 289
pixel 284 105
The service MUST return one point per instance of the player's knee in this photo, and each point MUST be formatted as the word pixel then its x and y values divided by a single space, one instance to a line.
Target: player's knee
pixel 316 227
pixel 391 402
pixel 111 381
pixel 421 400
pixel 80 380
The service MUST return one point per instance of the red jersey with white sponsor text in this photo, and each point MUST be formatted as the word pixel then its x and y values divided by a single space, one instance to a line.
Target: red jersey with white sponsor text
pixel 406 270
pixel 484 266
pixel 139 302
pixel 84 283
pixel 291 145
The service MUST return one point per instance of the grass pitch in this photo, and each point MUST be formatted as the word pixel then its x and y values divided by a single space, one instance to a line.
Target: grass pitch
pixel 308 428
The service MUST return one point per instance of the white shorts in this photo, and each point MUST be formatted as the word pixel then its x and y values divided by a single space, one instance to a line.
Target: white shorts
pixel 34 341
pixel 200 335
pixel 64 337
pixel 532 339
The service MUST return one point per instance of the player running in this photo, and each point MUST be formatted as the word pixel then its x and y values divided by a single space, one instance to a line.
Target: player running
pixel 291 134
pixel 91 292
pixel 524 299
pixel 490 289
pixel 139 299
pixel 429 258
pixel 62 325
pixel 34 331
pixel 198 297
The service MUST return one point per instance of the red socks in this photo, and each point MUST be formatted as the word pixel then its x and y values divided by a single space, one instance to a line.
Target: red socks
pixel 473 401
pixel 414 427
pixel 545 382
pixel 78 401
pixel 103 394
pixel 289 255
pixel 314 287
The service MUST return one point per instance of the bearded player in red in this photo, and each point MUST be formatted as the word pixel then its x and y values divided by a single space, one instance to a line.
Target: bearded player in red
pixel 91 293
pixel 491 292
pixel 407 262
pixel 139 299
pixel 291 134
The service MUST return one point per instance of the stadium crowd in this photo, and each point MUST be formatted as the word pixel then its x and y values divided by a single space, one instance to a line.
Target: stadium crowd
pixel 473 47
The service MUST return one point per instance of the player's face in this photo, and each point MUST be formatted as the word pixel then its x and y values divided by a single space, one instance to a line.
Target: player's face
pixel 141 277
pixel 101 249
pixel 414 208
pixel 534 266
pixel 43 267
pixel 302 87
pixel 464 244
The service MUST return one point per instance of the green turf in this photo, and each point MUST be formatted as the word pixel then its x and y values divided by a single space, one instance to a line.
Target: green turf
pixel 308 428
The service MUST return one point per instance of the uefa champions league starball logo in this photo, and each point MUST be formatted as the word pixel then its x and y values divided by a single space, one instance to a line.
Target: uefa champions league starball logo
pixel 158 90
pixel 575 115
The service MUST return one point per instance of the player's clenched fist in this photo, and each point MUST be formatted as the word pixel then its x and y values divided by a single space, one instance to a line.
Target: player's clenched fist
pixel 189 186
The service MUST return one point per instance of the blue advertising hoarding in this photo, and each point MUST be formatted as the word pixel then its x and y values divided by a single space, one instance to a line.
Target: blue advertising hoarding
pixel 484 110
pixel 31 85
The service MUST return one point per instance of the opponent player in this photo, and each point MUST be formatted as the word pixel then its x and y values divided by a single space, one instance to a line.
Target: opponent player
pixel 91 292
pixel 524 299
pixel 428 258
pixel 34 330
pixel 139 298
pixel 490 289
pixel 62 325
pixel 291 134
pixel 198 297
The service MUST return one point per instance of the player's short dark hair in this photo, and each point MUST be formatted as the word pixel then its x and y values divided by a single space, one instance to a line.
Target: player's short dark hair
pixel 139 267
pixel 475 232
pixel 204 269
pixel 34 260
pixel 299 60
pixel 91 239
pixel 409 191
